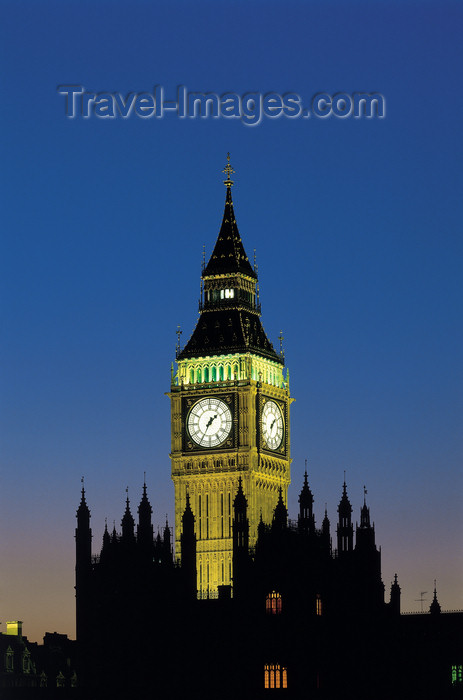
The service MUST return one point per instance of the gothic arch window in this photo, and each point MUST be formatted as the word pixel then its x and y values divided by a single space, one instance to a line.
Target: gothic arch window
pixel 273 603
pixel 235 371
pixel 200 516
pixel 192 376
pixel 221 520
pixel 9 660
pixel 229 372
pixel 214 374
pixel 206 374
pixel 26 662
pixel 198 375
pixel 60 680
pixel 275 676
pixel 221 373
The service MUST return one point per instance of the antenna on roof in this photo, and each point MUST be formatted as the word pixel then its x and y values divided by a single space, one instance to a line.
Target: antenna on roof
pixel 281 338
pixel 177 348
pixel 421 599
pixel 203 267
pixel 257 282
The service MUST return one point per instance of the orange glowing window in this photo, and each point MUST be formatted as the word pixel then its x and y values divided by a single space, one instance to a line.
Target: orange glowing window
pixel 318 604
pixel 273 603
pixel 275 676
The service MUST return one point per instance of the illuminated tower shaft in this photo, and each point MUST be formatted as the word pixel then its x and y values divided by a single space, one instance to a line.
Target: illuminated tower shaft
pixel 229 410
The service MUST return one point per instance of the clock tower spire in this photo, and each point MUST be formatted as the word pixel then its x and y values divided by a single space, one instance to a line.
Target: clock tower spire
pixel 229 409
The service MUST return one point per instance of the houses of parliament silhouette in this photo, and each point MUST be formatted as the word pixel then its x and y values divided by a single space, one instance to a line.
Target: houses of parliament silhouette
pixel 252 604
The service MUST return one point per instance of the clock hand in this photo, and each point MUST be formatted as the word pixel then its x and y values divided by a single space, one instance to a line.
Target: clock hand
pixel 211 419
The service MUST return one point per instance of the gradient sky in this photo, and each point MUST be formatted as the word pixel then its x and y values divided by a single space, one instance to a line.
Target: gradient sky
pixel 357 227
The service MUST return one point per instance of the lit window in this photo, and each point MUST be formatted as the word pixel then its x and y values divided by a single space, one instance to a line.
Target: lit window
pixel 60 680
pixel 318 604
pixel 227 293
pixel 273 603
pixel 275 676
pixel 457 674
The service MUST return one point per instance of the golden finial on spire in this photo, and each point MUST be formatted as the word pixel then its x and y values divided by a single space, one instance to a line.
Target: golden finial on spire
pixel 228 170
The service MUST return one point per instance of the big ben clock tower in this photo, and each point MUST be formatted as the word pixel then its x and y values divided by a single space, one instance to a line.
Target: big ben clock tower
pixel 229 410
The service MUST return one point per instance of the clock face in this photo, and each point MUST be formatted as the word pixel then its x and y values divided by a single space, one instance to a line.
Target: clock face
pixel 272 425
pixel 209 422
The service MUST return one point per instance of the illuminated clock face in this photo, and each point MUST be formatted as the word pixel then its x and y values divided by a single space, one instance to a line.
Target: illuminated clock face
pixel 209 422
pixel 272 425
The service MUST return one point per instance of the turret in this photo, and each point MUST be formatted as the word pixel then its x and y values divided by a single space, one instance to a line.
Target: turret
pixel 435 608
pixel 83 535
pixel 326 537
pixel 365 534
pixel 394 604
pixel 345 529
pixel 128 528
pixel 145 527
pixel 306 520
pixel 106 547
pixel 240 520
pixel 188 548
pixel 83 568
pixel 166 545
pixel 280 514
pixel 240 539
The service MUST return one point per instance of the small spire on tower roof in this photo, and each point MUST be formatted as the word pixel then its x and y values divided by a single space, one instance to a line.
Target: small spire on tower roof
pixel 435 608
pixel 280 513
pixel 83 512
pixel 228 170
pixel 106 536
pixel 240 500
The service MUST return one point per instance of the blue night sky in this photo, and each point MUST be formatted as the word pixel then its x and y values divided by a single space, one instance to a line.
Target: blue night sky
pixel 357 227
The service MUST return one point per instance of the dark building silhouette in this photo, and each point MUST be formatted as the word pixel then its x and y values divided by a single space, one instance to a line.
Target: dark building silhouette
pixel 301 618
pixel 252 604
pixel 31 670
